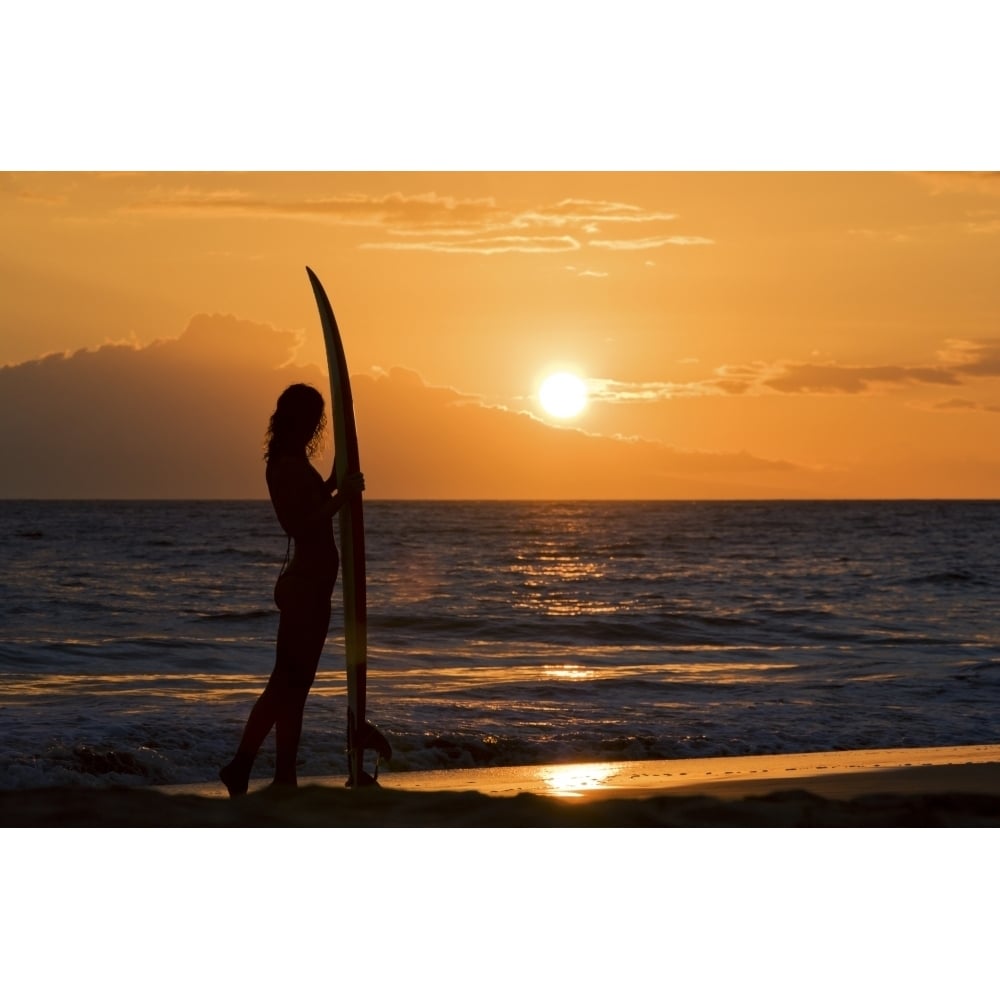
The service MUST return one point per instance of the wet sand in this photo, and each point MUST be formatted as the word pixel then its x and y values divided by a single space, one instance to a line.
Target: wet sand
pixel 934 787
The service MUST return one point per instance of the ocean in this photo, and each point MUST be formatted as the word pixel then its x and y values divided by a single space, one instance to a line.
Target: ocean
pixel 135 635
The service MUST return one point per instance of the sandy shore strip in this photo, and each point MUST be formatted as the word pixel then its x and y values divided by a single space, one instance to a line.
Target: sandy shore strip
pixel 933 786
pixel 836 775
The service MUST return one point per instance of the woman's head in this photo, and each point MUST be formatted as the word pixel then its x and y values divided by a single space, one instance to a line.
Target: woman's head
pixel 297 424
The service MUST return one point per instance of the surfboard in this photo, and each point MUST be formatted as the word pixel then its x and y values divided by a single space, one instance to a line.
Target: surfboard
pixel 360 732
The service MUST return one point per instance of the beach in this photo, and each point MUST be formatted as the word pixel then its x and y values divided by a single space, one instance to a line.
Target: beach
pixel 922 787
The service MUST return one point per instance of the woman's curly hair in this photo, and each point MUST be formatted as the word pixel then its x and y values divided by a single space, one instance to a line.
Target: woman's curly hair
pixel 298 421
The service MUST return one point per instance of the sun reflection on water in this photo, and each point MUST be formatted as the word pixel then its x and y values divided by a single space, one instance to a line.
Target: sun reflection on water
pixel 568 672
pixel 550 580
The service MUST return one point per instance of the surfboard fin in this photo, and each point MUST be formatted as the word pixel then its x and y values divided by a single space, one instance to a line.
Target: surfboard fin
pixel 372 739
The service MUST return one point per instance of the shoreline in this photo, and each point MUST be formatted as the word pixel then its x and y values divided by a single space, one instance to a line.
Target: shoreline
pixel 929 786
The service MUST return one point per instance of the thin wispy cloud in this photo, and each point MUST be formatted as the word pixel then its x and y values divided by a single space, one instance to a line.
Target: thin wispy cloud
pixel 651 242
pixel 435 223
pixel 586 273
pixel 494 245
pixel 576 212
pixel 957 405
pixel 394 209
pixel 606 390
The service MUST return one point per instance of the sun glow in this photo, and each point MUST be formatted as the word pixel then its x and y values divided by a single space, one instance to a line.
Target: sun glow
pixel 572 780
pixel 563 395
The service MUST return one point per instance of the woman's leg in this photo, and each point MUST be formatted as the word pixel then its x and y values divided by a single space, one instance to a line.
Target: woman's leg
pixel 236 774
pixel 302 647
pixel 302 629
pixel 301 635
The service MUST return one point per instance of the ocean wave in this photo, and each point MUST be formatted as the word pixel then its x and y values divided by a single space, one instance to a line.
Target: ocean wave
pixel 235 616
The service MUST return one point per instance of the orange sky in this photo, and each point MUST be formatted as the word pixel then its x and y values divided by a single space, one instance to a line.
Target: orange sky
pixel 741 334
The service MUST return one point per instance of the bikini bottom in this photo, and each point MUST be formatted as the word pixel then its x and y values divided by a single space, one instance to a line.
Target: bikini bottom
pixel 300 592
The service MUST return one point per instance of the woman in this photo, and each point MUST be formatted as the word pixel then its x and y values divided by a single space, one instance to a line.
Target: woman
pixel 305 508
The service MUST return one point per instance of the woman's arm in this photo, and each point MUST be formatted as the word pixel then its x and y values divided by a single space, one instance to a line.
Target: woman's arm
pixel 354 483
pixel 298 499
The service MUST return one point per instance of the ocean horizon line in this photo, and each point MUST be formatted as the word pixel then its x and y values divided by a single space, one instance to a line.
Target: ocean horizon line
pixel 524 500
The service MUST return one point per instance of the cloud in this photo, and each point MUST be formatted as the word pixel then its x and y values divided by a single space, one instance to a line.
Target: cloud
pixel 393 209
pixel 965 405
pixel 493 245
pixel 606 390
pixel 579 212
pixel 434 223
pixel 178 418
pixel 651 242
pixel 587 273
pixel 956 404
pixel 975 357
pixel 960 360
pixel 854 378
pixel 185 418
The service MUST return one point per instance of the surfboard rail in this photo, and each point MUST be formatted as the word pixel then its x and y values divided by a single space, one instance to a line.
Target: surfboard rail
pixel 352 536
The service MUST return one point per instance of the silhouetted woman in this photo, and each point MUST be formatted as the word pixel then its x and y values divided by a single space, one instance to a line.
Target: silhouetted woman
pixel 305 508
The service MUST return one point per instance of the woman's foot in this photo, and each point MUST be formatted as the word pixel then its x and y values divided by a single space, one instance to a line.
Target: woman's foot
pixel 236 774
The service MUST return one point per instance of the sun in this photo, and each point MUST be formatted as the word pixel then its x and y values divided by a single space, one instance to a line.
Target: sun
pixel 563 395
